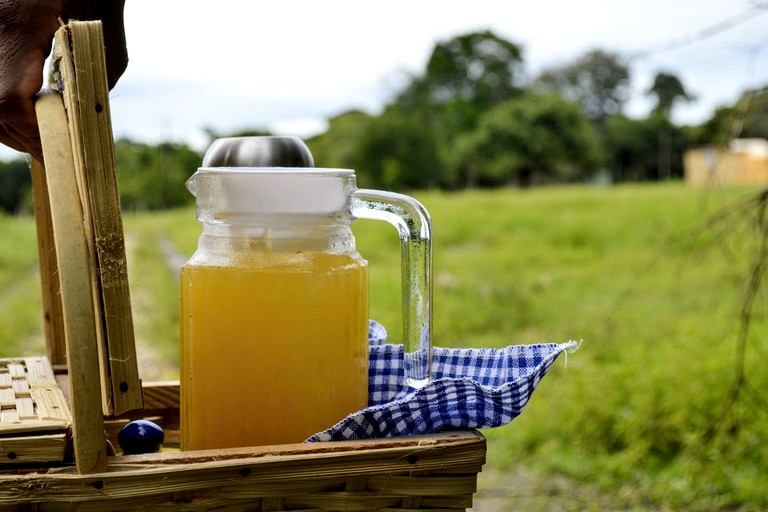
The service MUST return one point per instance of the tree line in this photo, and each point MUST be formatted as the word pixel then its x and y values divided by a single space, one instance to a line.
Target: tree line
pixel 471 118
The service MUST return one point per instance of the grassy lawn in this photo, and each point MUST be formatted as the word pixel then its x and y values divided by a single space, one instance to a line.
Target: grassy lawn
pixel 636 419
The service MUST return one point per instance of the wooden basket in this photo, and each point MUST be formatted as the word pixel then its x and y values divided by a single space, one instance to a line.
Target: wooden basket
pixel 435 472
pixel 59 414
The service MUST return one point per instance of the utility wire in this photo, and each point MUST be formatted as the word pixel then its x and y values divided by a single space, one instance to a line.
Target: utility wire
pixel 757 9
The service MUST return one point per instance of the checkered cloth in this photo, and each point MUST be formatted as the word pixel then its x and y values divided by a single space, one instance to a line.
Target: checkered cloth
pixel 470 388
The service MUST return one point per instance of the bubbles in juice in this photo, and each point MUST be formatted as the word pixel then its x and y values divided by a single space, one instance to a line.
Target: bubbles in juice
pixel 274 348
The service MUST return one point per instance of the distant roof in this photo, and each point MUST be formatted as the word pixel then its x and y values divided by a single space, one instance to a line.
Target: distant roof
pixel 754 147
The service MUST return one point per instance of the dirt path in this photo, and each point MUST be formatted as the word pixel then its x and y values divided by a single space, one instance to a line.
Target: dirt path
pixel 523 489
pixel 173 258
pixel 151 363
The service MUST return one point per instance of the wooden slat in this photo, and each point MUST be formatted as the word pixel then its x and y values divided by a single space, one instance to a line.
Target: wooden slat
pixel 31 427
pixel 53 319
pixel 420 486
pixel 26 408
pixel 32 401
pixel 82 78
pixel 158 396
pixel 20 387
pixel 9 417
pixel 161 395
pixel 74 279
pixel 17 370
pixel 50 404
pixel 7 398
pixel 29 449
pixel 39 372
pixel 312 475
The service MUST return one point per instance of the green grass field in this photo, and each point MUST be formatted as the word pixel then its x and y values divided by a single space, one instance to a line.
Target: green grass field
pixel 646 415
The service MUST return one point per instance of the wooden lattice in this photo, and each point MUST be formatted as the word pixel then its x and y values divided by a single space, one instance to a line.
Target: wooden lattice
pixel 34 417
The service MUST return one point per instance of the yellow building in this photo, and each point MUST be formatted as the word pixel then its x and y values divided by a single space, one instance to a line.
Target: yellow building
pixel 743 161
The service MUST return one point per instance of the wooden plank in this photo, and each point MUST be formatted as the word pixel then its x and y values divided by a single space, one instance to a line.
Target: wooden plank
pixel 31 427
pixel 50 404
pixel 161 395
pixel 38 402
pixel 17 370
pixel 9 417
pixel 419 486
pixel 20 387
pixel 30 449
pixel 267 472
pixel 64 71
pixel 39 372
pixel 53 319
pixel 26 408
pixel 74 279
pixel 82 78
pixel 7 398
pixel 459 440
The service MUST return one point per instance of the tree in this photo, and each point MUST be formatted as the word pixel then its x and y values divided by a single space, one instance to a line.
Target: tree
pixel 535 137
pixel 337 146
pixel 390 151
pixel 15 184
pixel 598 82
pixel 479 68
pixel 464 77
pixel 153 177
pixel 748 117
pixel 668 89
pixel 396 153
pixel 634 145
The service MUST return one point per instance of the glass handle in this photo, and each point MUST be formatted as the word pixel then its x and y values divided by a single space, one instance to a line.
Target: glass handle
pixel 413 224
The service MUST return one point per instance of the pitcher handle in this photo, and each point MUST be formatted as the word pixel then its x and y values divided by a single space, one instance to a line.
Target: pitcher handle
pixel 413 224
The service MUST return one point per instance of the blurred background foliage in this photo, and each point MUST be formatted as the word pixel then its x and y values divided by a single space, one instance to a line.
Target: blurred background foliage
pixel 472 118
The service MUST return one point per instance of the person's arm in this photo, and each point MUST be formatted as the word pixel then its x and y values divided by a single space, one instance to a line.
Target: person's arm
pixel 26 34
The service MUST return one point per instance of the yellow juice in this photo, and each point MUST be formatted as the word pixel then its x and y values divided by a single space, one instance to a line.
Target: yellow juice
pixel 274 347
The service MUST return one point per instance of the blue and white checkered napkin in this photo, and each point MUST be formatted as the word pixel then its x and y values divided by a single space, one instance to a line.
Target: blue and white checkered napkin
pixel 470 388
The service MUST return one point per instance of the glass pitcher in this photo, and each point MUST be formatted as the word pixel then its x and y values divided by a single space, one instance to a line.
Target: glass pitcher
pixel 274 308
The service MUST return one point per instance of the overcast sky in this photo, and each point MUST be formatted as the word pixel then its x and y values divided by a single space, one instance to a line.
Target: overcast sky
pixel 288 65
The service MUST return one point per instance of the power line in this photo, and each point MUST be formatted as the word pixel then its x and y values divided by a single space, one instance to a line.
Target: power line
pixel 758 8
